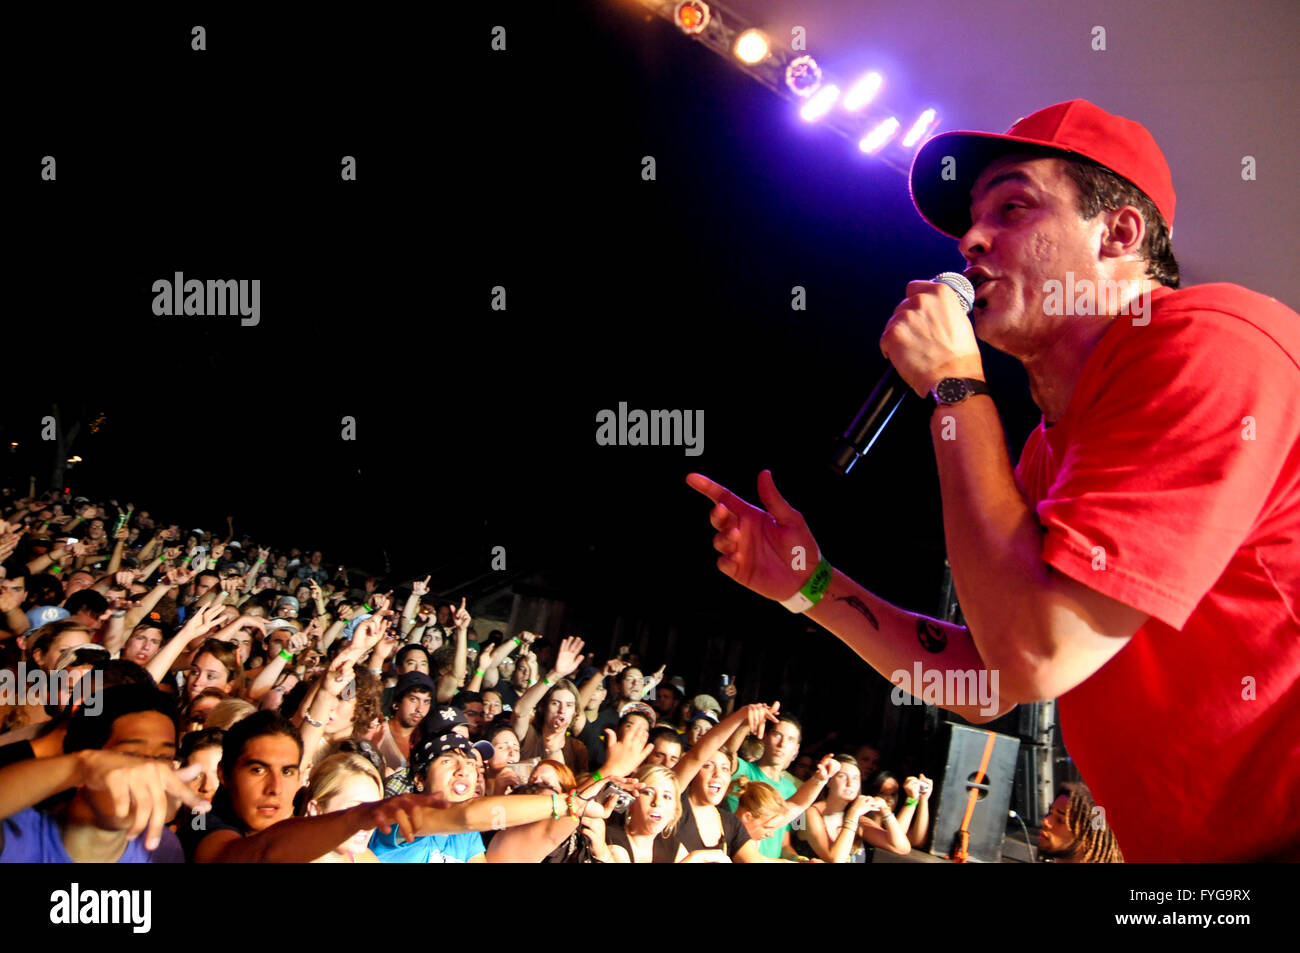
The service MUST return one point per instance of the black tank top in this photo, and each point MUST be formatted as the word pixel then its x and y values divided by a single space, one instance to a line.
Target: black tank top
pixel 665 849
pixel 734 835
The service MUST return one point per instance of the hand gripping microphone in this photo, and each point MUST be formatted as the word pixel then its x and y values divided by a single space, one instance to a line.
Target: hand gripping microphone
pixel 888 395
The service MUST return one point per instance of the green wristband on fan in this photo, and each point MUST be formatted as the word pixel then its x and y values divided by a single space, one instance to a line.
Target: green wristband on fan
pixel 813 589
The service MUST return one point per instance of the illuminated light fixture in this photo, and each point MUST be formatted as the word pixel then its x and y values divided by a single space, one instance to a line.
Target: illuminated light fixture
pixel 751 47
pixel 863 91
pixel 74 459
pixel 877 137
pixel 803 76
pixel 919 128
pixel 691 16
pixel 821 104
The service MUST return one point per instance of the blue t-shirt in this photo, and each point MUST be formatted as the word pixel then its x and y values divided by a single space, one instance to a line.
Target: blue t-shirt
pixel 32 837
pixel 390 848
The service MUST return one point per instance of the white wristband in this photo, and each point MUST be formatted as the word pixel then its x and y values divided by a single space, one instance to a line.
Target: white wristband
pixel 798 602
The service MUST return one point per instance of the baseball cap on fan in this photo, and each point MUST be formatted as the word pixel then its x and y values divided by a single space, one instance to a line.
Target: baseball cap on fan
pixel 947 166
pixel 40 615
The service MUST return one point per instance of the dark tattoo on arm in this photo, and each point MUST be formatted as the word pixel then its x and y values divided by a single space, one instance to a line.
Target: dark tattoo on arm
pixel 933 638
pixel 856 603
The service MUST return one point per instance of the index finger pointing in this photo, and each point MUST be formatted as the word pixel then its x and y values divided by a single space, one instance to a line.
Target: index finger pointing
pixel 714 491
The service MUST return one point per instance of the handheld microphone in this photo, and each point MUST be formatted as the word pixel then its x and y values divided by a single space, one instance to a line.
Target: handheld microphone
pixel 888 394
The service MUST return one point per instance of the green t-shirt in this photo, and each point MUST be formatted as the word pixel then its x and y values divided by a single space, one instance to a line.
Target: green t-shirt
pixel 786 787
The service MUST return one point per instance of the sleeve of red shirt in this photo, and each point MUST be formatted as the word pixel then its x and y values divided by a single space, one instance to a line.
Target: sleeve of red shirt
pixel 1162 469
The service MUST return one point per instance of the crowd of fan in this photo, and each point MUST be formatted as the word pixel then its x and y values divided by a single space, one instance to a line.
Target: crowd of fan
pixel 247 704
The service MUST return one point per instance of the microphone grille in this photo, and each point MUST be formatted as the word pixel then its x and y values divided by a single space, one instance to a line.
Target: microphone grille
pixel 961 285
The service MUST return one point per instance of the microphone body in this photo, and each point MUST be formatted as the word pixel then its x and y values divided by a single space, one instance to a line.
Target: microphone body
pixel 888 394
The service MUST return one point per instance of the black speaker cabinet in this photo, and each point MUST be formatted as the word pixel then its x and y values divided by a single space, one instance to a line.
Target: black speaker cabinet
pixel 968 748
pixel 1035 783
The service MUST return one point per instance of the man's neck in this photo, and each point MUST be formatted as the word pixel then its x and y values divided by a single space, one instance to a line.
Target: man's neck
pixel 1054 372
pixel 552 735
pixel 772 770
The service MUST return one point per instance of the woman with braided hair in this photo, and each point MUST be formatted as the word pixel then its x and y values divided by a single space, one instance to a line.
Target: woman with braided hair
pixel 1071 835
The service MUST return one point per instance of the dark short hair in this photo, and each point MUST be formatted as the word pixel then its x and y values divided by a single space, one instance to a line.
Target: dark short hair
pixel 465 698
pixel 792 720
pixel 664 731
pixel 635 714
pixel 533 787
pixel 1102 190
pixel 87 599
pixel 257 725
pixel 44 589
pixel 120 671
pixel 91 731
pixel 407 649
pixel 499 726
pixel 198 740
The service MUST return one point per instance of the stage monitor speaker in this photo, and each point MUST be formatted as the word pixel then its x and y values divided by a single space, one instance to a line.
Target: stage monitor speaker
pixel 986 814
pixel 1035 783
pixel 1038 722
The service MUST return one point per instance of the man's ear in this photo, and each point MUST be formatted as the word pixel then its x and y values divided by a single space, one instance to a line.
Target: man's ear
pixel 1124 234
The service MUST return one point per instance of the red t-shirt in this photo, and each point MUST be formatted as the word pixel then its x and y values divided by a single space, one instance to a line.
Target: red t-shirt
pixel 1179 456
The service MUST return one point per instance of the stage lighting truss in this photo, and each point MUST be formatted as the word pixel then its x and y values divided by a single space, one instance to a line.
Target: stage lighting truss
pixel 797 76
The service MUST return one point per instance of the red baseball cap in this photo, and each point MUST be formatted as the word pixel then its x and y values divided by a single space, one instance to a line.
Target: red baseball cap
pixel 1076 128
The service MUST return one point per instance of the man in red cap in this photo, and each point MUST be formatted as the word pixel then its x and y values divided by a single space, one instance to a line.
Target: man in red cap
pixel 1142 561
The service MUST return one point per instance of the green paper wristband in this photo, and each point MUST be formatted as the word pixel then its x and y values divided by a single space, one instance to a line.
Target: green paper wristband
pixel 286 655
pixel 813 589
pixel 910 801
pixel 595 776
pixel 480 673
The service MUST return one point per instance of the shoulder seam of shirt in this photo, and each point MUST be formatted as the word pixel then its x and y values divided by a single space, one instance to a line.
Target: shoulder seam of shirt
pixel 1244 319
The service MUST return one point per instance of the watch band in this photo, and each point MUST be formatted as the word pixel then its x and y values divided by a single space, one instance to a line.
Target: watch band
pixel 970 386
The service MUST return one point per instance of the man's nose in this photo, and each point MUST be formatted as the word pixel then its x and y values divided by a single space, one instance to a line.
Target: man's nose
pixel 976 242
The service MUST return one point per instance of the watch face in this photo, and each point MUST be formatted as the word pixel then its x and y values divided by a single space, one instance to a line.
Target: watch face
pixel 950 390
